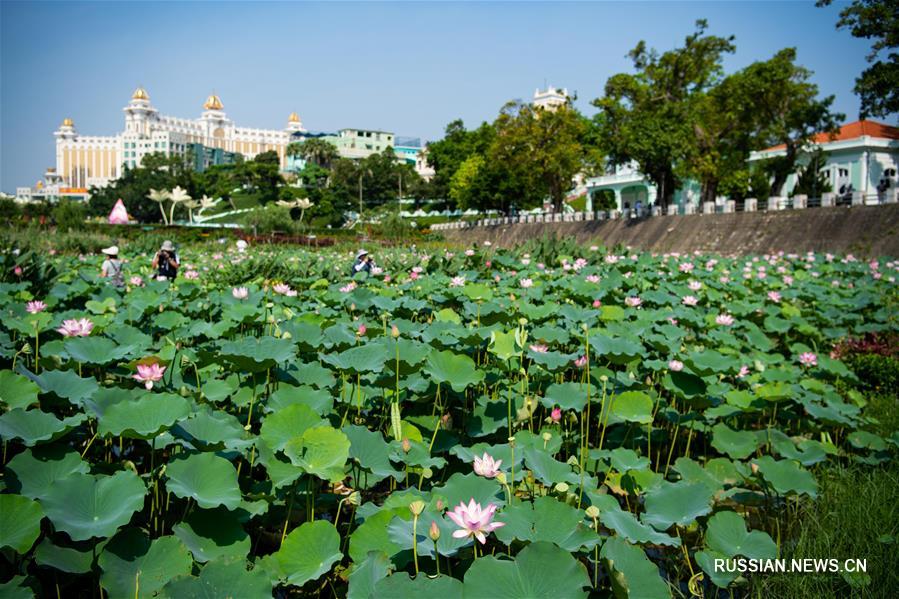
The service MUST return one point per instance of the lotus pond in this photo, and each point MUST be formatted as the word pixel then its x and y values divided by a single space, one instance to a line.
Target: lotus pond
pixel 474 423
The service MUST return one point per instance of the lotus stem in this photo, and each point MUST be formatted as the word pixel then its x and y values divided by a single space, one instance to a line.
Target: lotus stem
pixel 415 542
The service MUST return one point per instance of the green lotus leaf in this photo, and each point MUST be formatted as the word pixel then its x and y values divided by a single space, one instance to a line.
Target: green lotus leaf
pixel 547 519
pixel 786 476
pixel 461 488
pixel 87 506
pixel 611 313
pixel 626 524
pixel 621 459
pixel 205 477
pixel 548 470
pixel 615 349
pixel 320 400
pixel 322 451
pixel 20 522
pixel 366 574
pixel 371 357
pixel 503 345
pixel 570 396
pixel 308 552
pixel 401 585
pixel 221 579
pixel 633 575
pixel 726 534
pixel 17 391
pixel 676 503
pixel 540 570
pixel 66 384
pixel 373 536
pixel 145 417
pixel 95 350
pixel 213 534
pixel 684 384
pixel 35 471
pixel 34 426
pixel 720 578
pixel 371 452
pixel 255 354
pixel 218 390
pixel 711 362
pixel 456 369
pixel 15 588
pixel 631 406
pixel 736 444
pixel 210 428
pixel 280 427
pixel 63 559
pixel 866 440
pixel 477 292
pixel 133 566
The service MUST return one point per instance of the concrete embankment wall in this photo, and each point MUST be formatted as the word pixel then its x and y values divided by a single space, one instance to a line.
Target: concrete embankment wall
pixel 862 230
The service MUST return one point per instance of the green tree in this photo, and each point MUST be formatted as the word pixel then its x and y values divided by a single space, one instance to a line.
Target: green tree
pixel 317 151
pixel 812 181
pixel 648 117
pixel 878 85
pixel 447 155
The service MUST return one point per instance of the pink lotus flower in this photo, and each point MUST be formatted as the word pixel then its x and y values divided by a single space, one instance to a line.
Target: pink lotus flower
pixel 457 281
pixel 76 328
pixel 694 285
pixel 788 280
pixel 469 252
pixel 581 362
pixel 361 330
pixel 474 521
pixel 539 348
pixel 413 275
pixel 774 296
pixel 488 263
pixel 633 301
pixel 690 300
pixel 17 271
pixel 136 281
pixel 282 288
pixel 527 283
pixel 675 365
pixel 486 466
pixel 35 307
pixel 149 374
pixel 685 267
pixel 556 414
pixel 240 293
pixel 724 319
pixel 350 286
pixel 597 303
pixel 744 370
pixel 808 359
pixel 192 275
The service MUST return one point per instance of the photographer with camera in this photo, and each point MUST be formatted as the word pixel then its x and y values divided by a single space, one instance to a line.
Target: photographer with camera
pixel 166 262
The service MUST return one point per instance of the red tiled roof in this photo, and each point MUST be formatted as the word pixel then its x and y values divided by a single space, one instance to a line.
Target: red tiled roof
pixel 852 131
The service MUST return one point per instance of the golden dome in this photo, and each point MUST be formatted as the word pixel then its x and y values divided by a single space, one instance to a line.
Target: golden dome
pixel 140 94
pixel 293 118
pixel 213 102
pixel 67 122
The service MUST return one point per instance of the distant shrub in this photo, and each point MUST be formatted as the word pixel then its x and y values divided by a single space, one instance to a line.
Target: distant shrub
pixel 69 215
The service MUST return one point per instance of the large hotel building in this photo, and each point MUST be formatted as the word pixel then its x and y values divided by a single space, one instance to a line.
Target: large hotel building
pixel 85 161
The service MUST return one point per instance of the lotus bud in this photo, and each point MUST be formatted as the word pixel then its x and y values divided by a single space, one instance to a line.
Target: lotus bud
pixel 562 487
pixel 417 507
pixel 286 335
pixel 434 532
pixel 394 331
pixel 512 442
pixel 754 467
pixel 130 466
pixel 439 505
pixel 406 445
pixel 593 512
pixel 427 473
pixel 354 498
pixel 501 477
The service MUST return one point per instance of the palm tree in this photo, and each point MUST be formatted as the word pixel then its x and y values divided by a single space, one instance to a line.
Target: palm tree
pixel 319 152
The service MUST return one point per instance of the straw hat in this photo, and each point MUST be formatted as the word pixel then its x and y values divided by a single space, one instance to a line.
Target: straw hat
pixel 167 245
pixel 361 253
pixel 112 250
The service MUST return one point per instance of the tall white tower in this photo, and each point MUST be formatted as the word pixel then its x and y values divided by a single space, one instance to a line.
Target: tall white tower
pixel 215 122
pixel 550 98
pixel 139 113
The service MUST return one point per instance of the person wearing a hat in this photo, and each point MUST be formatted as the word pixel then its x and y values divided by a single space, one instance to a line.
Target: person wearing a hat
pixel 363 263
pixel 112 267
pixel 166 262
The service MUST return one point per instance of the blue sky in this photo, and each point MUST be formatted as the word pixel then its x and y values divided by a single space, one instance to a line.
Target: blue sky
pixel 405 67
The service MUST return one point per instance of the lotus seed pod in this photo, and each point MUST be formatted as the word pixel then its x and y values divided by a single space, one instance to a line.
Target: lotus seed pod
pixel 547 436
pixel 434 532
pixel 593 511
pixel 286 335
pixel 522 321
pixel 354 498
pixel 417 507
pixel 406 445
pixel 604 378
pixel 501 477
pixel 562 487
